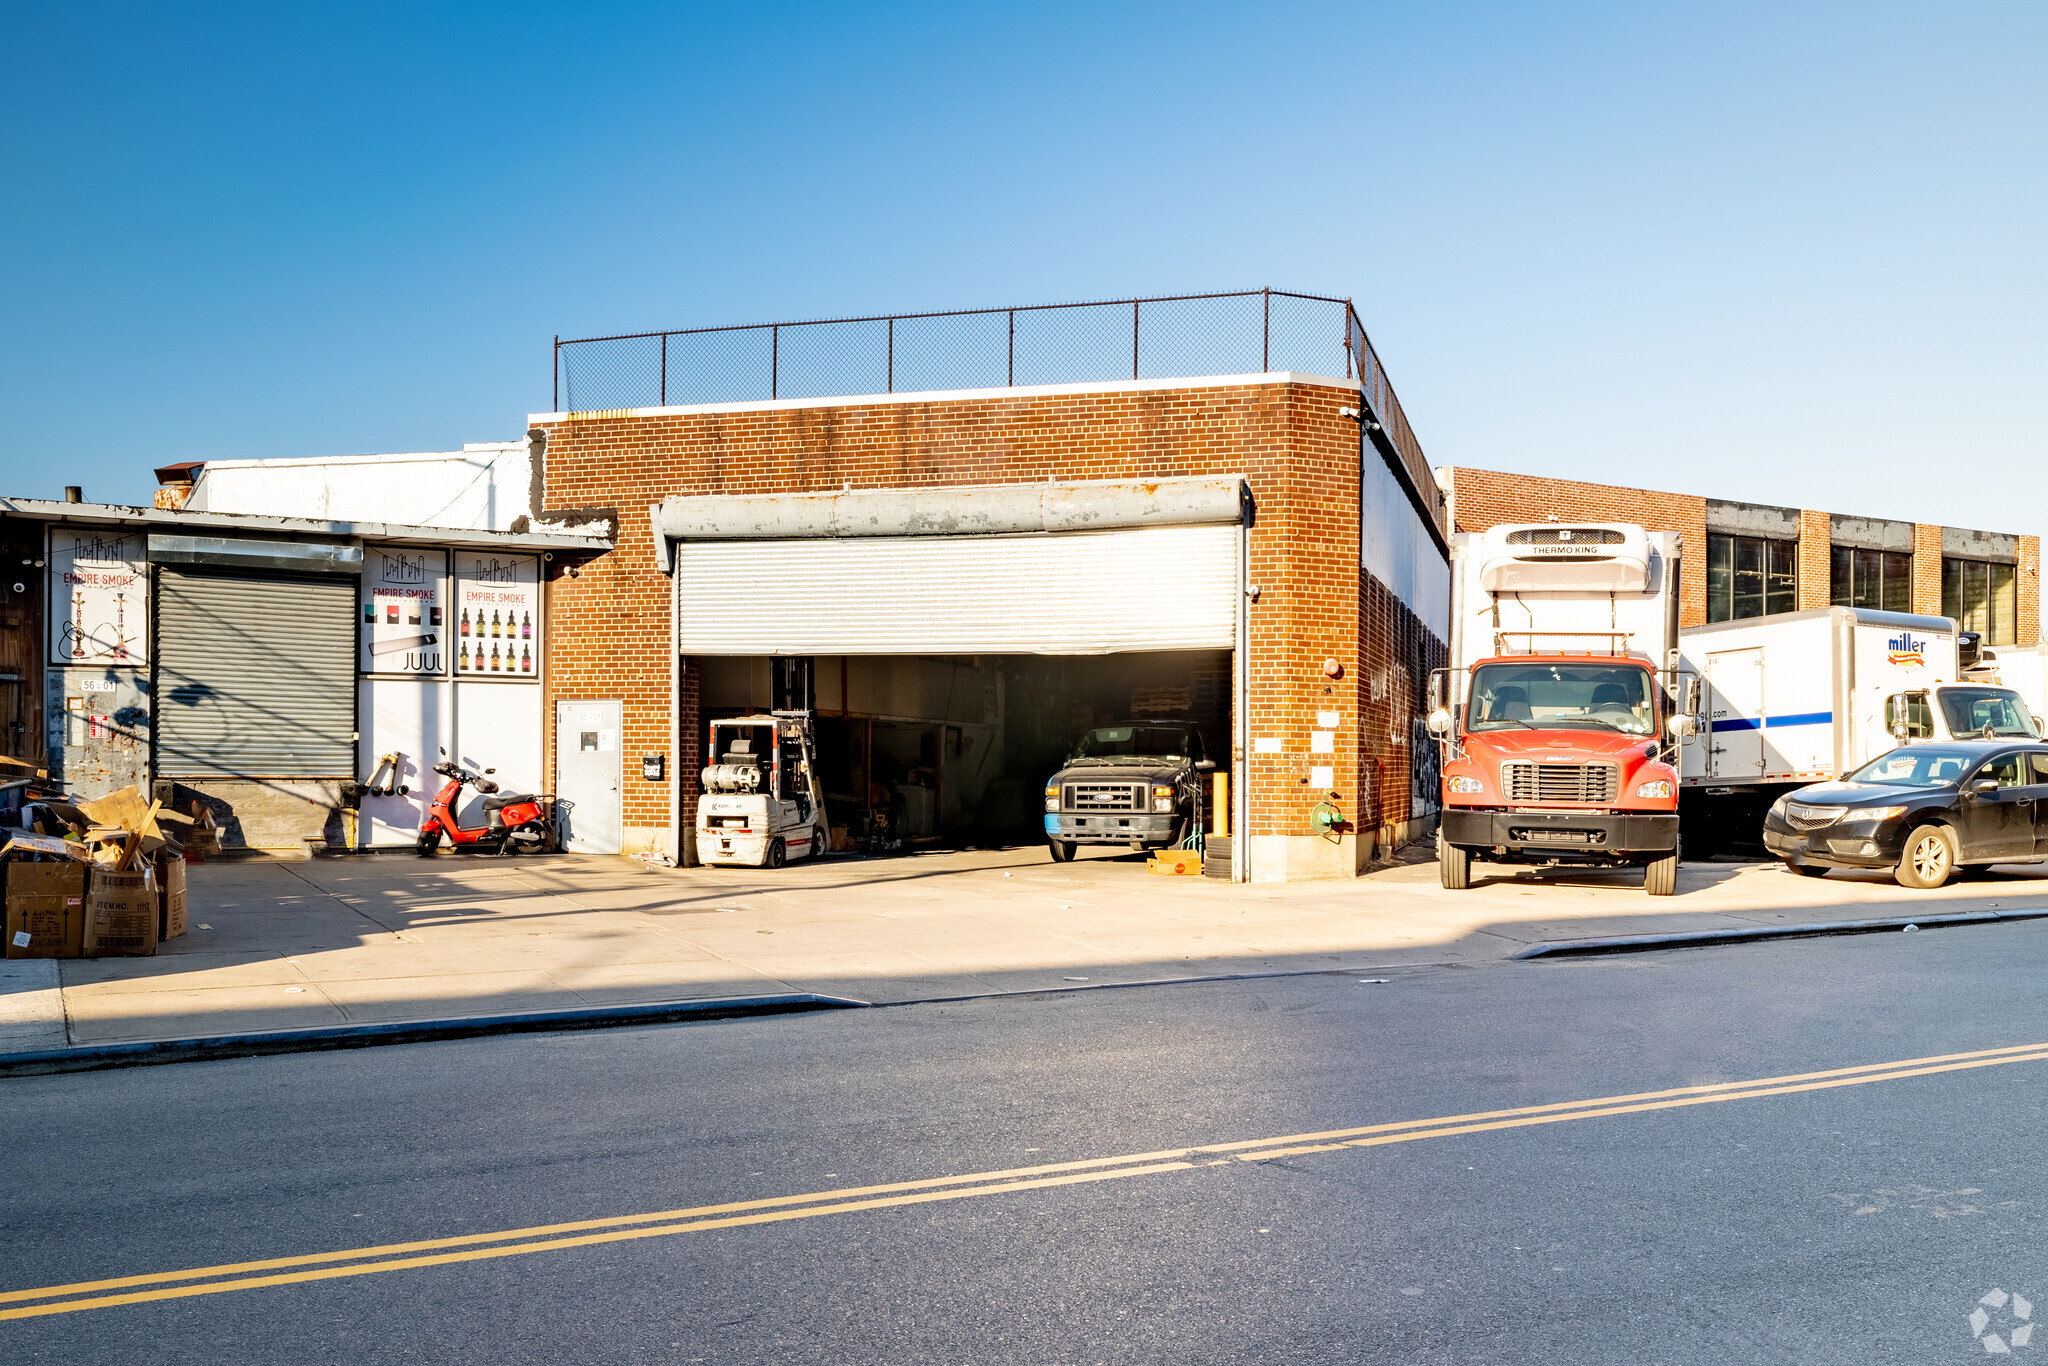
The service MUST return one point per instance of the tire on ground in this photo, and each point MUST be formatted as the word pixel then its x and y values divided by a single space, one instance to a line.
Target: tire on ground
pixel 1453 865
pixel 1928 860
pixel 1660 875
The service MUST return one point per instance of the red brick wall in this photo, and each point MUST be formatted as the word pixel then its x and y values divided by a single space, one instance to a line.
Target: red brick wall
pixel 1486 498
pixel 609 625
pixel 2030 591
pixel 1927 569
pixel 1816 585
pixel 1397 758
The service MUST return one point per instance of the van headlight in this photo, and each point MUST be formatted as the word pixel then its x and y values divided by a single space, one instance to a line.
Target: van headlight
pixel 1467 785
pixel 1162 799
pixel 1661 789
pixel 1052 798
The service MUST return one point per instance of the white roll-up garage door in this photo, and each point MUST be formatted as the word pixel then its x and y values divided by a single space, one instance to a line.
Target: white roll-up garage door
pixel 1059 593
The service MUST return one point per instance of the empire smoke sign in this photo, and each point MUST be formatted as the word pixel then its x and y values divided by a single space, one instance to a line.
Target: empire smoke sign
pixel 405 612
pixel 497 617
pixel 99 608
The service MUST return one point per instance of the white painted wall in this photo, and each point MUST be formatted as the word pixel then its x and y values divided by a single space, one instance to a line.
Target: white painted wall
pixel 482 487
pixel 483 725
pixel 1396 548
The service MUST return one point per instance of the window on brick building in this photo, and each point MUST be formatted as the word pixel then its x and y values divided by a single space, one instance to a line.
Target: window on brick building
pixel 1748 576
pixel 1878 579
pixel 1983 598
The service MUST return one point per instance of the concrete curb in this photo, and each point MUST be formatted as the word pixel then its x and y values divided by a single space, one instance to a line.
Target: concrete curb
pixel 162 1052
pixel 158 1053
pixel 1163 982
pixel 1644 943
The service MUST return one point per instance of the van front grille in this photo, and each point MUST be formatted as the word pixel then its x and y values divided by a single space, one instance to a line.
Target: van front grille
pixel 1103 797
pixel 1524 781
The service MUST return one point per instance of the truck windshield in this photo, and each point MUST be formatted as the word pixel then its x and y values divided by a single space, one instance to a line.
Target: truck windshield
pixel 1970 710
pixel 1916 766
pixel 1151 742
pixel 1540 696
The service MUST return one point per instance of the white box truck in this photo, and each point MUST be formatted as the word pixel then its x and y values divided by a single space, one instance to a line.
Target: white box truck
pixel 1804 697
pixel 1560 714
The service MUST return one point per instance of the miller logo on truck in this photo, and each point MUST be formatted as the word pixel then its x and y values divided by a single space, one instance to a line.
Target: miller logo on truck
pixel 1907 652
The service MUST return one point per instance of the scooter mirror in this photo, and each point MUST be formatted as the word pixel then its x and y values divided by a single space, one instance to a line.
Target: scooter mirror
pixel 490 770
pixel 444 751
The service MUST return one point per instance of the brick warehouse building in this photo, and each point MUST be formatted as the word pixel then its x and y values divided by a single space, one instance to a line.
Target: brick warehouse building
pixel 1751 559
pixel 961 578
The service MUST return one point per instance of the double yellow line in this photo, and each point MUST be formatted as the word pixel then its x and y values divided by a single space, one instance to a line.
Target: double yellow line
pixel 366 1261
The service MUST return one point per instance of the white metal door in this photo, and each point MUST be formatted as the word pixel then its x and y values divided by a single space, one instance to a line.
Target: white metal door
pixel 1735 705
pixel 590 773
pixel 1064 593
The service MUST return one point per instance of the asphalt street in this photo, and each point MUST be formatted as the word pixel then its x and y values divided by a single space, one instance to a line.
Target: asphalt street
pixel 1053 1192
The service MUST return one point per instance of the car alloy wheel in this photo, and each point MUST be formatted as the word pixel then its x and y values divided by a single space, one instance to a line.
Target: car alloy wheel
pixel 1929 859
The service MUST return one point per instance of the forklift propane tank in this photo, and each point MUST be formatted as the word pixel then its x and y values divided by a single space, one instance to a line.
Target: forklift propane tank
pixel 731 778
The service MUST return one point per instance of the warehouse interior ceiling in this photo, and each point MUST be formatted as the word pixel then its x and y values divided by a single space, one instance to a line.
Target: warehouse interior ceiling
pixel 955 749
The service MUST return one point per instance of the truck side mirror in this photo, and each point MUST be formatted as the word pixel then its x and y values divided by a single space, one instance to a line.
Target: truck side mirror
pixel 1683 725
pixel 1205 765
pixel 1439 722
pixel 1436 691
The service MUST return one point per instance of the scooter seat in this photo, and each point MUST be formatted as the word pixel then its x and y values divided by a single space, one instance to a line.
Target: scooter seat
pixel 505 799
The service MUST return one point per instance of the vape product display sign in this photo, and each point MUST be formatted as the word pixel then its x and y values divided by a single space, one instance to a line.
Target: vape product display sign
pixel 404 626
pixel 497 616
pixel 99 598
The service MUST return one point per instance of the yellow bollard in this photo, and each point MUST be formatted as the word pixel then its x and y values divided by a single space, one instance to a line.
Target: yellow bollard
pixel 1219 808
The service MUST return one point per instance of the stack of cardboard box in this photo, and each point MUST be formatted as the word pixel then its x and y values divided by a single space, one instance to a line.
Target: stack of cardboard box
pixel 112 884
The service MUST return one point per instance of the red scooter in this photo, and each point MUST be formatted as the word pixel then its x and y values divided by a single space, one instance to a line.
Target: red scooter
pixel 514 822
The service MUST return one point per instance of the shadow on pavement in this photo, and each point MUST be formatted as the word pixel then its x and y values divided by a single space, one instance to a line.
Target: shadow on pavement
pixel 379 939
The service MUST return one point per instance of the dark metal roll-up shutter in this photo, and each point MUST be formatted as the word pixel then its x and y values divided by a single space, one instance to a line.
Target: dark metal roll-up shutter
pixel 256 675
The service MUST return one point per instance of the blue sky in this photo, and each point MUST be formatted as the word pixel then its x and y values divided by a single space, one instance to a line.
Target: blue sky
pixel 1791 254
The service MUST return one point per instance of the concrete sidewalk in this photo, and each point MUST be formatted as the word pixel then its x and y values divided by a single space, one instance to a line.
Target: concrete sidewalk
pixel 380 939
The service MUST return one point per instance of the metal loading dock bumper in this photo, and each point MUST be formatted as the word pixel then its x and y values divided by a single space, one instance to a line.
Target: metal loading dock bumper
pixel 1561 832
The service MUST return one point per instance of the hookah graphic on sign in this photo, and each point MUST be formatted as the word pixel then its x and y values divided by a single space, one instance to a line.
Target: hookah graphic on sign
pixel 99 614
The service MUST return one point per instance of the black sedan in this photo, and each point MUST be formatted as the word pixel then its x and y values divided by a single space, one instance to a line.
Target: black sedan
pixel 1924 811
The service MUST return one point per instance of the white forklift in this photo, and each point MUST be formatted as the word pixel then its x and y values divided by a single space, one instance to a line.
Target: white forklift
pixel 761 805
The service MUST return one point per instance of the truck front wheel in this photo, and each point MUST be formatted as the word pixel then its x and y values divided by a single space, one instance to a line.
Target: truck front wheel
pixel 1063 851
pixel 1660 875
pixel 1453 865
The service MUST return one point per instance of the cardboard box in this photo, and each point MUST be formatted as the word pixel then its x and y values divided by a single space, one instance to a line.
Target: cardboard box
pixel 45 908
pixel 120 914
pixel 170 879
